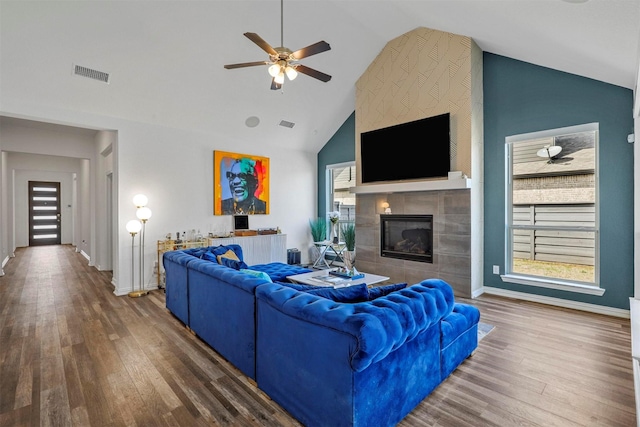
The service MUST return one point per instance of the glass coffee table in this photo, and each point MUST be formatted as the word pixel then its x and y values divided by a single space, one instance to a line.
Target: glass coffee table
pixel 323 278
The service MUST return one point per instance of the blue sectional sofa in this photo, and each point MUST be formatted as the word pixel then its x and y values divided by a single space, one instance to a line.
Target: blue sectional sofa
pixel 359 364
pixel 365 361
pixel 217 302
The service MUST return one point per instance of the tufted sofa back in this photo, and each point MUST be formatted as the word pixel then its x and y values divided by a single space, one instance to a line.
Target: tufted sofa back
pixel 379 326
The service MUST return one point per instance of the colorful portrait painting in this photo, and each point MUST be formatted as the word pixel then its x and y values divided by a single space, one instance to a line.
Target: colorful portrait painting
pixel 240 184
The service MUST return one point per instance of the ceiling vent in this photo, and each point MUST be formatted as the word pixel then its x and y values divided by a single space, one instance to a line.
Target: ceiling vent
pixel 101 76
pixel 287 124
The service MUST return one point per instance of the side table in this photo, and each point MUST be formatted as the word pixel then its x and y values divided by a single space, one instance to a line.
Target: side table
pixel 323 247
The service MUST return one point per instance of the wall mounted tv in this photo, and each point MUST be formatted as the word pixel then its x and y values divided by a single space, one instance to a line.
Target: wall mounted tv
pixel 413 150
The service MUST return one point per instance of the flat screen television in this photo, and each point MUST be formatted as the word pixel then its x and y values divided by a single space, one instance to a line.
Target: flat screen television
pixel 409 151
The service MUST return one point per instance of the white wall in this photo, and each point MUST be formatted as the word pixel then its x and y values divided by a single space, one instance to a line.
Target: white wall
pixel 174 168
pixel 636 189
pixel 105 142
pixel 4 245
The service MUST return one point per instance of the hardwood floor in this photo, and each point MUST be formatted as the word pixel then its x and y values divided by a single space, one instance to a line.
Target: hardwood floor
pixel 72 353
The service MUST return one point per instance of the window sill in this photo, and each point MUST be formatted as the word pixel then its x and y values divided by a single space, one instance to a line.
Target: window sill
pixel 553 284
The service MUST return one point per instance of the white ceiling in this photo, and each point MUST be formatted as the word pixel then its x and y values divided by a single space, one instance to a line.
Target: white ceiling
pixel 166 58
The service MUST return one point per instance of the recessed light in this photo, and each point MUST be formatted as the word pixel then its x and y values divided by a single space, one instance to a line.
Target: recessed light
pixel 252 121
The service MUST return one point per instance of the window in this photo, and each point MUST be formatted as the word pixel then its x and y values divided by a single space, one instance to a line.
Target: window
pixel 552 209
pixel 341 178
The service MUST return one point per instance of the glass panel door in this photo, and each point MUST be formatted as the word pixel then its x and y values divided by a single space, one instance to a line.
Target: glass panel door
pixel 44 213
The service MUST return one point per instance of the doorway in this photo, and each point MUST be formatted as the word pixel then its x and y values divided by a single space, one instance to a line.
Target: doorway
pixel 44 213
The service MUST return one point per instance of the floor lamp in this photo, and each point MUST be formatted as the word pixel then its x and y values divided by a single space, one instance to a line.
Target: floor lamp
pixel 133 227
pixel 143 213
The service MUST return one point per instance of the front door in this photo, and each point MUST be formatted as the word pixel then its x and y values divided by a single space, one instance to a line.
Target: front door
pixel 44 213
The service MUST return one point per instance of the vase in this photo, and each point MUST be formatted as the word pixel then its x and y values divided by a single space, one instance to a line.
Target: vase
pixel 349 259
pixel 333 233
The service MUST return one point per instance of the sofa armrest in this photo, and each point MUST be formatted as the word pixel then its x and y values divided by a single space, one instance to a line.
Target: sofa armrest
pixel 176 283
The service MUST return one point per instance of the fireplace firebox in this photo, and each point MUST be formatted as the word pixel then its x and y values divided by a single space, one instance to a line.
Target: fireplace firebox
pixel 407 237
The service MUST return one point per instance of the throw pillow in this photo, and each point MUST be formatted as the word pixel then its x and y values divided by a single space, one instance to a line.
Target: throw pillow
pixel 355 293
pixel 228 254
pixel 233 263
pixel 208 256
pixel 199 253
pixel 380 291
pixel 260 274
pixel 297 286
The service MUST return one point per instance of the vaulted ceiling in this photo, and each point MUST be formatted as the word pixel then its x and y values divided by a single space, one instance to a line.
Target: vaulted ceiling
pixel 165 58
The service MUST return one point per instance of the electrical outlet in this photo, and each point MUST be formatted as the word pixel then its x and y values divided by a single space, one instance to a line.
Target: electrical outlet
pixel 496 269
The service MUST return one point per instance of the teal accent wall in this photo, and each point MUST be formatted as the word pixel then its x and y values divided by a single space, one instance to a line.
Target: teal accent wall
pixel 519 98
pixel 340 148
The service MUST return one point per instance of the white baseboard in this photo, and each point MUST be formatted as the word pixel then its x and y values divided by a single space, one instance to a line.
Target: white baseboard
pixel 4 262
pixel 84 254
pixel 558 302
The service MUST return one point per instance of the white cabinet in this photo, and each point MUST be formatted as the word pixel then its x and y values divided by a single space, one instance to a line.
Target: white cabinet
pixel 260 249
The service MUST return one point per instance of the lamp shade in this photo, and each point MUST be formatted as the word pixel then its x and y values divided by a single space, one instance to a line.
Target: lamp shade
pixel 279 78
pixel 385 204
pixel 291 72
pixel 134 226
pixel 274 70
pixel 140 200
pixel 143 213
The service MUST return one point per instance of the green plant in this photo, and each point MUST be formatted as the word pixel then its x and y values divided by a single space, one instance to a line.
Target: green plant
pixel 318 229
pixel 349 236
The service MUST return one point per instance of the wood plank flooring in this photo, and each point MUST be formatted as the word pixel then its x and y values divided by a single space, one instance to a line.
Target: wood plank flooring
pixel 74 354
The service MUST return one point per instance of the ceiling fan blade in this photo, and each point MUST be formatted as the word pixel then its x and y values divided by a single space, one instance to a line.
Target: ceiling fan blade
pixel 260 42
pixel 246 64
pixel 314 49
pixel 274 85
pixel 313 73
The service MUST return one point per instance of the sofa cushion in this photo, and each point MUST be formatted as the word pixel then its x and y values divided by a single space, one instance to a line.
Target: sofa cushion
pixel 380 291
pixel 196 252
pixel 260 274
pixel 355 293
pixel 278 271
pixel 232 263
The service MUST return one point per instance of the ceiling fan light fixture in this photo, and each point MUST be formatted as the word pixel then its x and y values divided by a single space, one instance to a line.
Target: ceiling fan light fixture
pixel 291 72
pixel 279 78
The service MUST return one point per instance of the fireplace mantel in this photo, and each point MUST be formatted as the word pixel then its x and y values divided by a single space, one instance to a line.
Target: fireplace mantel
pixel 402 187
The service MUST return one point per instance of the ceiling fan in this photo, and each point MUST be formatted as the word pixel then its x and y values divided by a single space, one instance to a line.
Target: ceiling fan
pixel 284 61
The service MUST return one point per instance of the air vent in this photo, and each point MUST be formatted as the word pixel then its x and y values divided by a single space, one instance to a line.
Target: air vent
pixel 287 124
pixel 79 70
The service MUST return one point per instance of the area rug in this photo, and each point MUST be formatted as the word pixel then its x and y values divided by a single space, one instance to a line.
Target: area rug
pixel 484 329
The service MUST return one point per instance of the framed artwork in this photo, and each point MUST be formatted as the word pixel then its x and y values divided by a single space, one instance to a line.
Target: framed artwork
pixel 240 184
